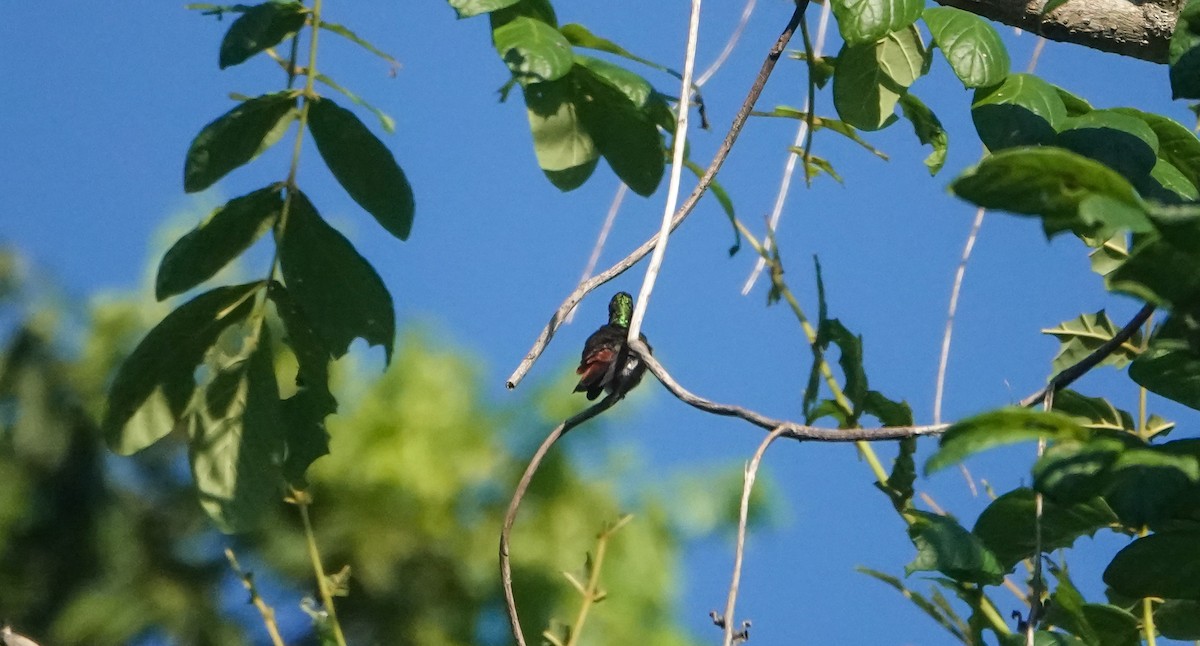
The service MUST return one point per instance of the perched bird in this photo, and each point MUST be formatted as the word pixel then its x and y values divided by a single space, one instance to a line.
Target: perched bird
pixel 605 350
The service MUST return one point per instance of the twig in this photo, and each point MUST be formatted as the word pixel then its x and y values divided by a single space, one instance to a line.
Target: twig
pixel 602 238
pixel 735 129
pixel 511 515
pixel 743 515
pixel 729 44
pixel 789 167
pixel 302 500
pixel 592 593
pixel 677 158
pixel 267 612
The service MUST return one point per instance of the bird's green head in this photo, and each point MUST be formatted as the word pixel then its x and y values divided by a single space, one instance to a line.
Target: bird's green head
pixel 620 309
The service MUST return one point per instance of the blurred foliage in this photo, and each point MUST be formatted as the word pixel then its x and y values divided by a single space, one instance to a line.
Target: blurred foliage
pixel 100 549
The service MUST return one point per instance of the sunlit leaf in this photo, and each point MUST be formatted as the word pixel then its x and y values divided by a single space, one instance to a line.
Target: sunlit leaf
pixel 565 150
pixel 580 36
pixel 345 32
pixel 929 130
pixel 998 428
pixel 863 94
pixel 533 50
pixel 866 21
pixel 970 44
pixel 468 8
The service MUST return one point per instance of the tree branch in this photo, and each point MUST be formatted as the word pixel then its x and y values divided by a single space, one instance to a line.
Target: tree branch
pixel 1137 28
pixel 739 121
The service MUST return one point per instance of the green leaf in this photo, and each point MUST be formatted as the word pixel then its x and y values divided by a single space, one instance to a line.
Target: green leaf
pixel 385 119
pixel 1065 609
pixel 944 546
pixel 304 412
pixel 970 44
pixel 627 138
pixel 580 36
pixel 1075 104
pixel 1163 565
pixel 1167 184
pixel 1160 272
pixel 1007 526
pixel 998 428
pixel 1178 619
pixel 223 236
pixel 261 27
pixel 635 87
pixel 565 150
pixel 1024 110
pixel 899 484
pixel 1052 183
pixel 1184 53
pixel 336 288
pixel 1121 142
pixel 237 137
pixel 1109 254
pixel 1169 369
pixel 1114 626
pixel 888 412
pixel 468 8
pixel 533 50
pixel 866 21
pixel 1146 484
pixel 929 130
pixel 1082 336
pixel 345 32
pixel 1092 412
pixel 902 56
pixel 1177 144
pixel 235 440
pixel 363 166
pixel 863 94
pixel 850 358
pixel 154 385
pixel 1073 472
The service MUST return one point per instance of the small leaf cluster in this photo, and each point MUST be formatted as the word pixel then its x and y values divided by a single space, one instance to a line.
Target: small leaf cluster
pixel 209 369
pixel 580 108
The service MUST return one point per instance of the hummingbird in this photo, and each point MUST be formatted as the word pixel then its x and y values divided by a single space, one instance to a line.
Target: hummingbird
pixel 605 350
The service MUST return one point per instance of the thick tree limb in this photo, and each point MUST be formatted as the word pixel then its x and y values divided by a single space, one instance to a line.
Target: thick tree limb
pixel 1137 28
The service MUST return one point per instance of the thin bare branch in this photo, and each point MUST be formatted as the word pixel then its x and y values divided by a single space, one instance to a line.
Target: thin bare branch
pixel 743 515
pixel 747 10
pixel 519 494
pixel 677 158
pixel 735 129
pixel 602 238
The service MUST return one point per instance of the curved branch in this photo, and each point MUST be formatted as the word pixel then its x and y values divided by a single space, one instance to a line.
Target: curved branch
pixel 735 129
pixel 1138 29
pixel 511 515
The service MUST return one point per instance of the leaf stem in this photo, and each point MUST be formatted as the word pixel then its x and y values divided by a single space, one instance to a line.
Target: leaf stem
pixel 302 500
pixel 267 612
pixel 592 594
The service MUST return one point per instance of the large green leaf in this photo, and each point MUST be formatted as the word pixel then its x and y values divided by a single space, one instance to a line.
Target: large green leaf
pixel 1177 144
pixel 1095 623
pixel 998 428
pixel 1159 272
pixel 866 21
pixel 1147 484
pixel 1178 619
pixel 236 137
pixel 154 385
pixel 1007 526
pixel 1163 565
pixel 223 236
pixel 1170 367
pixel 970 44
pixel 468 8
pixel 305 411
pixel 533 50
pixel 863 94
pixel 1024 110
pixel 1081 336
pixel 624 134
pixel 634 86
pixel 336 288
pixel 945 546
pixel 902 56
pixel 565 150
pixel 929 130
pixel 1122 142
pixel 1167 184
pixel 1069 191
pixel 1092 412
pixel 363 166
pixel 1184 53
pixel 259 27
pixel 235 440
pixel 1072 472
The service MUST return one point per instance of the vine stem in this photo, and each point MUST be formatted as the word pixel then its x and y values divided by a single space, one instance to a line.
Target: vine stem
pixel 677 158
pixel 302 500
pixel 264 609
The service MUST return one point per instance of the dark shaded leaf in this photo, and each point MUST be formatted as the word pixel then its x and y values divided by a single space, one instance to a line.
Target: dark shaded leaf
pixel 1163 565
pixel 1177 144
pixel 336 288
pixel 626 136
pixel 1024 110
pixel 899 485
pixel 260 27
pixel 363 166
pixel 1074 472
pixel 1007 526
pixel 154 385
pixel 1092 412
pixel 1183 55
pixel 1042 638
pixel 998 428
pixel 850 358
pixel 1122 142
pixel 235 446
pixel 1178 619
pixel 970 44
pixel 236 137
pixel 385 120
pixel 1160 272
pixel 944 546
pixel 1147 484
pixel 223 236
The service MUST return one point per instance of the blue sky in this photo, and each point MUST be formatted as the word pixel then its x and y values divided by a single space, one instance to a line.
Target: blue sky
pixel 100 107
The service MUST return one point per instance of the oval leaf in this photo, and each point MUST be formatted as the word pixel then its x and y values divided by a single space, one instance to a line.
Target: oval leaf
pixel 997 428
pixel 970 44
pixel 236 137
pixel 1024 110
pixel 1006 527
pixel 336 288
pixel 625 135
pixel 153 386
pixel 1121 142
pixel 1177 144
pixel 863 94
pixel 363 166
pixel 866 21
pixel 1160 565
pixel 945 546
pixel 260 27
pixel 228 232
pixel 533 50
pixel 565 150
